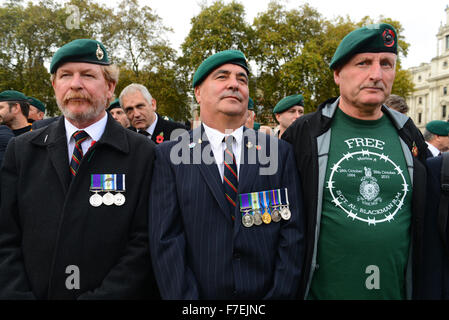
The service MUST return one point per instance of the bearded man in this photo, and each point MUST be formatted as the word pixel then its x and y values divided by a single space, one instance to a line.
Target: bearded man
pixel 73 219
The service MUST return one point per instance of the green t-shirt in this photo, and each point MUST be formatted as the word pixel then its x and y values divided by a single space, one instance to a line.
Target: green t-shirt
pixel 363 245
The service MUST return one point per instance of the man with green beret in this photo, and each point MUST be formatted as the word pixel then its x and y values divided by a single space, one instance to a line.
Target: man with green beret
pixel 207 239
pixel 287 111
pixel 37 110
pixel 437 137
pixel 14 109
pixel 118 113
pixel 361 163
pixel 73 217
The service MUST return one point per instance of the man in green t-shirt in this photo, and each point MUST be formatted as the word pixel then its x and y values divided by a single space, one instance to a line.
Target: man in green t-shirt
pixel 363 165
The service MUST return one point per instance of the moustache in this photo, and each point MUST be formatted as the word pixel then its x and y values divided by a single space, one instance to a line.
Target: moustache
pixel 76 95
pixel 234 94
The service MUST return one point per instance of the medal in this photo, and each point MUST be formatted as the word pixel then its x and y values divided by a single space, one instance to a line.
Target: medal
pixel 285 211
pixel 266 217
pixel 247 217
pixel 274 197
pixel 119 198
pixel 256 208
pixel 95 200
pixel 248 220
pixel 108 199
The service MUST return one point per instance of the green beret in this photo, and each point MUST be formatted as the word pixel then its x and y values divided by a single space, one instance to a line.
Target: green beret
pixel 214 61
pixel 80 50
pixel 250 104
pixel 12 95
pixel 288 102
pixel 438 127
pixel 37 103
pixel 373 38
pixel 114 104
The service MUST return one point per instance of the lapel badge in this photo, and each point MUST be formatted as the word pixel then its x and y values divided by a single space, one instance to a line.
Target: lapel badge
pixel 249 145
pixel 258 147
pixel 200 141
pixel 192 145
pixel 99 53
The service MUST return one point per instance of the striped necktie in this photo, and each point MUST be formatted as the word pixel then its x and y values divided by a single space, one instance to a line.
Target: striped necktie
pixel 77 155
pixel 230 179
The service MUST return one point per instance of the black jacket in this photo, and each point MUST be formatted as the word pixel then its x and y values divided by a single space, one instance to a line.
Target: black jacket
pixel 47 223
pixel 304 133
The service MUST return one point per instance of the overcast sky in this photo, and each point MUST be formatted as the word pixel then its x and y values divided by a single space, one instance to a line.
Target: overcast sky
pixel 420 19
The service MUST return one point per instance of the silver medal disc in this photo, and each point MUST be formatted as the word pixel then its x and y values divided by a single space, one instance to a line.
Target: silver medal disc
pixel 108 199
pixel 248 220
pixel 257 218
pixel 95 200
pixel 275 215
pixel 119 199
pixel 285 213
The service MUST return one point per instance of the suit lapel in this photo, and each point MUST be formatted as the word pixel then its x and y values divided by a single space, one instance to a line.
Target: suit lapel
pixel 249 163
pixel 210 172
pixel 57 150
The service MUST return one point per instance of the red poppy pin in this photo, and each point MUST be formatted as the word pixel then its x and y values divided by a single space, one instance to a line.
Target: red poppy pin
pixel 160 138
pixel 414 150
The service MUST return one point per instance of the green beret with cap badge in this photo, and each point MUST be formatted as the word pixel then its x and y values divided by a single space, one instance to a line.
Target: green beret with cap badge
pixel 13 95
pixel 288 102
pixel 438 127
pixel 37 103
pixel 372 38
pixel 214 61
pixel 80 50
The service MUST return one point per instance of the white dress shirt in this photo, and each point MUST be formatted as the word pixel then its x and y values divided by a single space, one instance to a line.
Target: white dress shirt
pixel 218 147
pixel 433 149
pixel 95 131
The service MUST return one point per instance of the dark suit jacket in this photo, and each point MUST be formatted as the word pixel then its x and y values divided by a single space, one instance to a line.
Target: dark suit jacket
pixel 47 223
pixel 435 271
pixel 198 251
pixel 163 130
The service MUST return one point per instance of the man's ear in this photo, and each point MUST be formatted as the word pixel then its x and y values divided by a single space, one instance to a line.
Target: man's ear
pixel 198 94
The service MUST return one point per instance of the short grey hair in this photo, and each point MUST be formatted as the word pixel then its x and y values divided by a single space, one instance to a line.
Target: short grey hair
pixel 133 87
pixel 397 103
pixel 428 136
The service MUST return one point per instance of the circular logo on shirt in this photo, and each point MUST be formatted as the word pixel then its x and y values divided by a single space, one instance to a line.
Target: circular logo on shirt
pixel 368 186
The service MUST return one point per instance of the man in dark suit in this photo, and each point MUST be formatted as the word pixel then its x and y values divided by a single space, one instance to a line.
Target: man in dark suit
pixel 208 237
pixel 140 108
pixel 73 221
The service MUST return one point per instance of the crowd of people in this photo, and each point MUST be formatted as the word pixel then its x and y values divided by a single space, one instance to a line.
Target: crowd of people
pixel 111 200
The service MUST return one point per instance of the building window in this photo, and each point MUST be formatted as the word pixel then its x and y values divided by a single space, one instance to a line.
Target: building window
pixel 419 117
pixel 419 78
pixel 420 100
pixel 443 112
pixel 447 42
pixel 445 90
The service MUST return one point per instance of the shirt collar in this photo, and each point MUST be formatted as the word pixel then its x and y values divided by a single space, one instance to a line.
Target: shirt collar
pixel 151 128
pixel 95 130
pixel 215 137
pixel 433 149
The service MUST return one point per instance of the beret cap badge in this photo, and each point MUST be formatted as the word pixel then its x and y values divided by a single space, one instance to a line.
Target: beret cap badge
pixel 388 36
pixel 99 53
